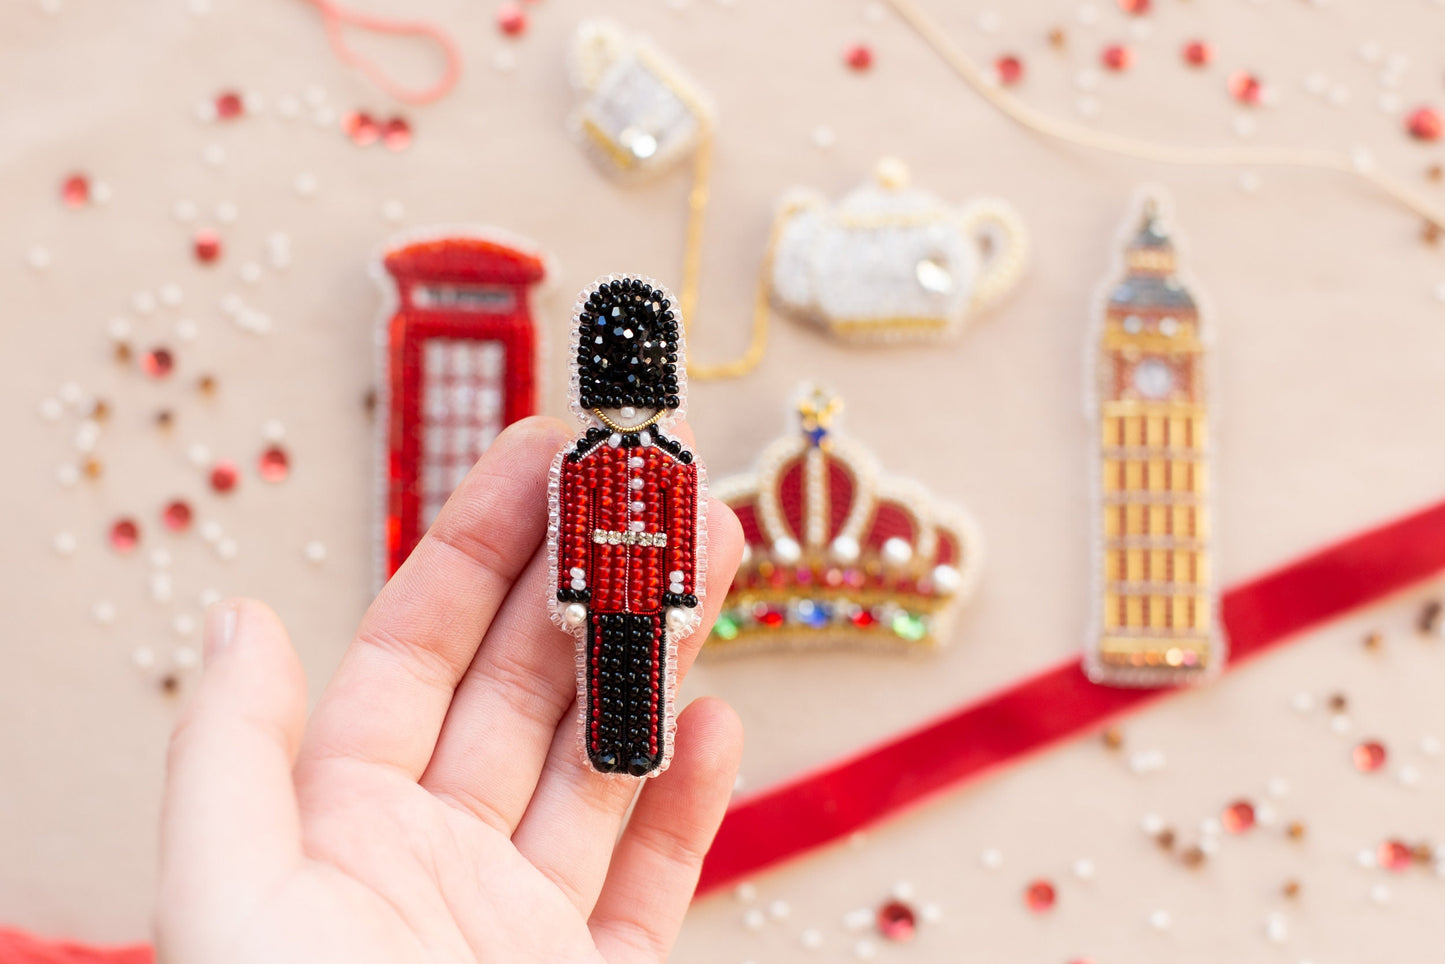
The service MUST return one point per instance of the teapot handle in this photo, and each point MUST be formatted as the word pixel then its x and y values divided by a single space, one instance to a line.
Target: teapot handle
pixel 993 222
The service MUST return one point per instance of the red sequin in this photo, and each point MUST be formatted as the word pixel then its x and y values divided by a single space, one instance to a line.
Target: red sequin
pixel 207 245
pixel 858 57
pixel 1039 896
pixel 1198 53
pixel 511 19
pixel 896 921
pixel 75 191
pixel 361 127
pixel 177 516
pixel 1394 855
pixel 224 476
pixel 1424 124
pixel 1117 57
pixel 1238 816
pixel 229 105
pixel 158 362
pixel 274 464
pixel 1010 70
pixel 1246 87
pixel 1369 756
pixel 124 535
pixel 396 135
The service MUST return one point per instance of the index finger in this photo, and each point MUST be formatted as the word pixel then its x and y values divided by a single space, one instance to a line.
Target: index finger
pixel 418 637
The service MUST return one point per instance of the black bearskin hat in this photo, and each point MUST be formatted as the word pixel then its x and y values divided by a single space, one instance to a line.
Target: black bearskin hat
pixel 627 340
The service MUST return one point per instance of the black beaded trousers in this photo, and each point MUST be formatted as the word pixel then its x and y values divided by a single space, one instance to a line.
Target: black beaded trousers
pixel 627 701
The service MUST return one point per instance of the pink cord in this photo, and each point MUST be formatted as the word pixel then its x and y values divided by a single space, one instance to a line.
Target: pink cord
pixel 337 18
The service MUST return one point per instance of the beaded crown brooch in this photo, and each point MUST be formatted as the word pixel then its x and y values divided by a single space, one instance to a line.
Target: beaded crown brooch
pixel 627 538
pixel 838 554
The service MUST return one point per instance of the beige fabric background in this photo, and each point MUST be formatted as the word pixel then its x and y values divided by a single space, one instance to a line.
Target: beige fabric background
pixel 1329 372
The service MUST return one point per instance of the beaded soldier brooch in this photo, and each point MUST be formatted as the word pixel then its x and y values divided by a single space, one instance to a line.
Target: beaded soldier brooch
pixel 1156 619
pixel 892 263
pixel 626 540
pixel 457 346
pixel 838 554
pixel 638 112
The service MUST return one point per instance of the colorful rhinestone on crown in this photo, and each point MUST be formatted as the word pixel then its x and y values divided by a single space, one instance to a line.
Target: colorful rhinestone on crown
pixel 838 555
pixel 627 512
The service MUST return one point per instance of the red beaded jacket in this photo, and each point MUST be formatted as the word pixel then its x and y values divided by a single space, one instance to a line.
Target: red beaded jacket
pixel 626 539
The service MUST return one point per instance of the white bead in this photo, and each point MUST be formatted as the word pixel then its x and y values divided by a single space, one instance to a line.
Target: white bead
pixel 627 411
pixel 635 462
pixel 644 439
pixel 574 615
pixel 675 588
pixel 787 550
pixel 991 858
pixel 636 525
pixel 678 618
pixel 614 440
pixel 1160 920
pixel 675 575
pixel 845 549
pixel 897 551
pixel 579 584
pixel 779 910
pixel 636 483
pixel 946 578
pixel 637 506
pixel 65 543
pixel 576 572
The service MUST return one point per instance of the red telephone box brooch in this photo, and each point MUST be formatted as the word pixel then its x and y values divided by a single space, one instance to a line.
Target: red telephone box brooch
pixel 627 523
pixel 460 350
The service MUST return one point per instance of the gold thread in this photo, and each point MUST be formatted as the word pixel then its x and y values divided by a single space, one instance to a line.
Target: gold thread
pixel 1041 123
pixel 635 428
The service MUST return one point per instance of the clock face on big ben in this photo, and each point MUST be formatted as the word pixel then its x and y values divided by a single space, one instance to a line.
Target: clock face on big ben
pixel 1153 378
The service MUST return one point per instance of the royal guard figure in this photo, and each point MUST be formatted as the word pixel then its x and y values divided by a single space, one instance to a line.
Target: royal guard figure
pixel 626 522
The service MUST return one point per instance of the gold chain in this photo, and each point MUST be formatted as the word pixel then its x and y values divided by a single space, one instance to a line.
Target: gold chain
pixel 697 199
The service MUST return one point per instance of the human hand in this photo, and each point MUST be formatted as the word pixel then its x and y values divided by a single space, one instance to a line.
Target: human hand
pixel 436 807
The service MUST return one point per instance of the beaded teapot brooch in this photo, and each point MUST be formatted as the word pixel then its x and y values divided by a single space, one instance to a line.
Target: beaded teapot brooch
pixel 626 539
pixel 892 263
pixel 838 554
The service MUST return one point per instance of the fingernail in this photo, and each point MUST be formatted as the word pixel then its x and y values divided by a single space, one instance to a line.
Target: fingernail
pixel 220 626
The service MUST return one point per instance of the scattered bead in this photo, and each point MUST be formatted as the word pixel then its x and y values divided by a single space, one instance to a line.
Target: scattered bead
pixel 158 362
pixel 1136 8
pixel 1380 894
pixel 1009 70
pixel 1160 920
pixel 361 127
pixel 896 921
pixel 747 891
pixel 224 476
pixel 1409 776
pixel 1369 756
pixel 779 910
pixel 1039 896
pixel 1193 856
pixel 177 516
pixel 65 543
pixel 1084 869
pixel 858 57
pixel 1238 817
pixel 1113 738
pixel 75 191
pixel 1117 57
pixel 1198 53
pixel 103 613
pixel 511 19
pixel 1424 124
pixel 1246 87
pixel 315 553
pixel 1290 888
pixel 812 938
pixel 124 536
pixel 396 135
pixel 229 105
pixel 1276 928
pixel 207 246
pixel 991 859
pixel 1394 855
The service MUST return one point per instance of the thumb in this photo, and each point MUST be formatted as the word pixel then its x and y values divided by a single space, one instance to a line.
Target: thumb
pixel 229 824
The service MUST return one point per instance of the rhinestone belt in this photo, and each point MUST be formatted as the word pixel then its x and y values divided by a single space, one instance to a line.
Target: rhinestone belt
pixel 614 538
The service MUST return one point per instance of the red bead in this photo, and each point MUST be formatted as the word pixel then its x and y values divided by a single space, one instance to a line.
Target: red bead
pixel 1238 816
pixel 1117 57
pixel 274 464
pixel 1198 53
pixel 361 127
pixel 859 57
pixel 1424 124
pixel 207 245
pixel 124 536
pixel 896 921
pixel 396 135
pixel 511 19
pixel 1009 69
pixel 158 362
pixel 1369 756
pixel 1394 855
pixel 229 105
pixel 75 191
pixel 224 476
pixel 1039 896
pixel 177 516
pixel 1246 87
pixel 1136 8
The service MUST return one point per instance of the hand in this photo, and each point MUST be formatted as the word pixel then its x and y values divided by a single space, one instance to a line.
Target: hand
pixel 436 807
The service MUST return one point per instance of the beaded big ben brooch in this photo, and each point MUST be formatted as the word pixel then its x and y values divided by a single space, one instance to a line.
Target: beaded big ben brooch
pixel 627 523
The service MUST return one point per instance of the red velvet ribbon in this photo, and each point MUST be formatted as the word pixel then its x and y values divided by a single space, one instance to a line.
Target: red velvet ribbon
pixel 853 793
